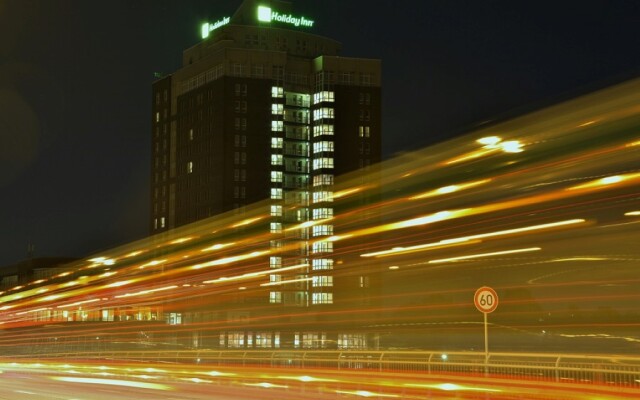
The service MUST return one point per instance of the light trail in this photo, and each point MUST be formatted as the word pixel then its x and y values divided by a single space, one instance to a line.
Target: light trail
pixel 471 238
pixel 473 256
pixel 449 189
pixel 113 382
pixel 522 210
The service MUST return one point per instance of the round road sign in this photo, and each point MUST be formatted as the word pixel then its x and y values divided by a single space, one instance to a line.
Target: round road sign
pixel 486 299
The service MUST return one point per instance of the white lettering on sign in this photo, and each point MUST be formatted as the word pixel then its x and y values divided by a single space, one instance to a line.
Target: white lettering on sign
pixel 266 14
pixel 207 27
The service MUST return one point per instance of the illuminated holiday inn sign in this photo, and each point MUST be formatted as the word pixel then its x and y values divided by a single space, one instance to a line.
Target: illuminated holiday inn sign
pixel 207 27
pixel 266 14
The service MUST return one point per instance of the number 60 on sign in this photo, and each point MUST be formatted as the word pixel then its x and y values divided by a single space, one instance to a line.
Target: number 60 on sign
pixel 486 299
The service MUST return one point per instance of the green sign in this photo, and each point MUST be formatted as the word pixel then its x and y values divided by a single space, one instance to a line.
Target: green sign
pixel 266 14
pixel 207 27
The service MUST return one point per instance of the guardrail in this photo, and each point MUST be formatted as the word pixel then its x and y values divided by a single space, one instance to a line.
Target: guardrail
pixel 620 371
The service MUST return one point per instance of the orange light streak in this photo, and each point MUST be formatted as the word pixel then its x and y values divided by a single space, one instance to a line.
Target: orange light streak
pixel 465 239
pixel 113 382
pixel 78 303
pixel 286 282
pixel 473 256
pixel 443 244
pixel 348 192
pixel 608 181
pixel 449 189
pixel 246 222
pixel 218 246
pixel 230 260
pixel 181 240
pixel 143 292
pixel 256 274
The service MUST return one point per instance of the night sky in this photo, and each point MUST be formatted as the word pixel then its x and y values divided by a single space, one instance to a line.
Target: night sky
pixel 76 75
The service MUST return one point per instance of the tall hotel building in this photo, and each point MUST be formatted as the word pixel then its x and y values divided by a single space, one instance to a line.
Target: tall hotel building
pixel 264 109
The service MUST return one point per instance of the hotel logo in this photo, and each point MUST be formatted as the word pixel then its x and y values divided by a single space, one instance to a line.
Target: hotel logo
pixel 266 14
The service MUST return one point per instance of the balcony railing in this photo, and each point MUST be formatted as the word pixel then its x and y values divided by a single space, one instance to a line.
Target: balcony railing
pixel 566 368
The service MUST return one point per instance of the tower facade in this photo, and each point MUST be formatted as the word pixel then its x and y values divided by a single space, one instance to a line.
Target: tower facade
pixel 264 109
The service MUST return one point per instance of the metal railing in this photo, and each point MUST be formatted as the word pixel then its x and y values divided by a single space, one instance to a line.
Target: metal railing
pixel 622 371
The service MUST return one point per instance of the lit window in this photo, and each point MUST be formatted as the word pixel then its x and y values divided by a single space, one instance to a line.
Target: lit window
pixel 323 96
pixel 323 112
pixel 277 126
pixel 162 222
pixel 276 159
pixel 276 143
pixel 322 230
pixel 322 281
pixel 322 196
pixel 275 297
pixel 323 162
pixel 323 179
pixel 277 91
pixel 276 176
pixel 276 193
pixel 367 131
pixel 275 262
pixel 352 341
pixel 190 134
pixel 263 339
pixel 173 318
pixel 276 211
pixel 322 298
pixel 322 263
pixel 322 247
pixel 189 167
pixel 322 146
pixel 275 227
pixel 322 213
pixel 235 339
pixel 277 109
pixel 322 130
pixel 157 117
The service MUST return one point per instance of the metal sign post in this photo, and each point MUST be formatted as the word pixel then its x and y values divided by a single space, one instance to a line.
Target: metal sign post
pixel 486 301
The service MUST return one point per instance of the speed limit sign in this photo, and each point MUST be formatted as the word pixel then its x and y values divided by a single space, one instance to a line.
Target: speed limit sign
pixel 486 299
